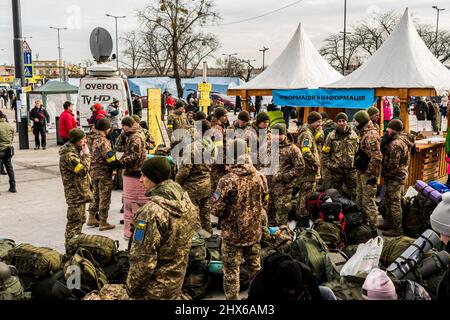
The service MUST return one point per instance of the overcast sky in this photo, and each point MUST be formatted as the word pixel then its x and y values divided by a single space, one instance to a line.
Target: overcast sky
pixel 319 18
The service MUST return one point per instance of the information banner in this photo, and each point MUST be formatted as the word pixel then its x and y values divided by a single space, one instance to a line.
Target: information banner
pixel 154 115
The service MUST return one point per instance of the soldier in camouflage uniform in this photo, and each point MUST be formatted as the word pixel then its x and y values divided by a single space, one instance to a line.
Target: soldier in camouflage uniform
pixel 374 115
pixel 338 156
pixel 261 123
pixel 103 159
pixel 162 236
pixel 328 125
pixel 218 169
pixel 177 120
pixel 194 174
pixel 368 164
pixel 74 163
pixel 134 152
pixel 307 142
pixel 291 167
pixel 149 140
pixel 396 156
pixel 239 201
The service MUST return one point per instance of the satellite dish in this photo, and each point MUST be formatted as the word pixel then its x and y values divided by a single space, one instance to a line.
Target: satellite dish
pixel 101 44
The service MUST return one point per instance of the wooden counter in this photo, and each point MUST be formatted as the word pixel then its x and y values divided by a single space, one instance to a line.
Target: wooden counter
pixel 427 164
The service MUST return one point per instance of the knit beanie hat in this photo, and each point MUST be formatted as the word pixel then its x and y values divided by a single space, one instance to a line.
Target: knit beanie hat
pixel 157 169
pixel 362 117
pixel 289 275
pixel 440 218
pixel 281 127
pixel 179 104
pixel 372 111
pixel 128 121
pixel 200 115
pixel 324 115
pixel 103 124
pixel 136 118
pixel 378 286
pixel 220 112
pixel 313 117
pixel 97 106
pixel 396 124
pixel 261 117
pixel 341 115
pixel 244 116
pixel 76 135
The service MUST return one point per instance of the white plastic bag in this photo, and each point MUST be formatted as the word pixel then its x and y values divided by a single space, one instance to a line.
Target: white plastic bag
pixel 366 258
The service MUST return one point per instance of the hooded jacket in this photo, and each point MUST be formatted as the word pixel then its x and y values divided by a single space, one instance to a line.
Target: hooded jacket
pixel 160 245
pixel 340 149
pixel 67 122
pixel 369 146
pixel 239 201
pixel 6 135
pixel 135 152
pixel 102 154
pixel 74 168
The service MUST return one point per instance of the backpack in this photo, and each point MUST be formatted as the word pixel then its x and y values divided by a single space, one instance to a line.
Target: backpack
pixel 310 249
pixel 345 290
pixel 92 276
pixel 393 248
pixel 117 270
pixel 331 233
pixel 102 248
pixel 10 287
pixel 196 281
pixel 314 203
pixel 198 252
pixel 358 234
pixel 5 246
pixel 38 262
pixel 416 215
pixel 54 288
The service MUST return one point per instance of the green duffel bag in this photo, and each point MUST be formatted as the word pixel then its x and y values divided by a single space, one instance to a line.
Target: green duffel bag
pixel 198 250
pixel 345 290
pixel 393 248
pixel 102 248
pixel 5 246
pixel 36 261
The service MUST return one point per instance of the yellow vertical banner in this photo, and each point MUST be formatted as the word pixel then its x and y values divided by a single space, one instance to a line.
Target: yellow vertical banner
pixel 205 101
pixel 154 116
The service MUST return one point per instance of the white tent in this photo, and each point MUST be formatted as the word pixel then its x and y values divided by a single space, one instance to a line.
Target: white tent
pixel 299 66
pixel 403 61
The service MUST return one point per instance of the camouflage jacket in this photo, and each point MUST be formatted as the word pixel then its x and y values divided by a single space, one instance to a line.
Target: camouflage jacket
pixel 328 127
pixel 339 150
pixel 307 142
pixel 396 158
pixel 121 142
pixel 369 144
pixel 160 245
pixel 220 145
pixel 239 201
pixel 195 177
pixel 410 290
pixel 74 168
pixel 135 152
pixel 101 154
pixel 178 120
pixel 149 140
pixel 263 145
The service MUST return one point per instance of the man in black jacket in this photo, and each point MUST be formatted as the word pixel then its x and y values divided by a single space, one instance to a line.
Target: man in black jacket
pixel 39 116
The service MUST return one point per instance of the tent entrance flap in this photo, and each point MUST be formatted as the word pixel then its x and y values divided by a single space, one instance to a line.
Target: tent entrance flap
pixel 328 98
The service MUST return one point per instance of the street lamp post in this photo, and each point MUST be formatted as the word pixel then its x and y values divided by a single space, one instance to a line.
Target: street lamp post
pixel 229 58
pixel 263 50
pixel 345 36
pixel 60 51
pixel 117 37
pixel 437 28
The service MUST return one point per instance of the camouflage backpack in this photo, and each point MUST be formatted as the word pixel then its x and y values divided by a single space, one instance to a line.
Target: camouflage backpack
pixel 416 215
pixel 198 252
pixel 10 286
pixel 5 246
pixel 393 248
pixel 38 262
pixel 92 276
pixel 331 233
pixel 345 290
pixel 102 248
pixel 310 249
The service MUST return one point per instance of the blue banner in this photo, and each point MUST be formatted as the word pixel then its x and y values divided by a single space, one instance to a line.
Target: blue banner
pixel 328 98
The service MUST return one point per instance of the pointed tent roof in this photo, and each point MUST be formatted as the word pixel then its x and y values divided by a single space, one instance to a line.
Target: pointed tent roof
pixel 299 66
pixel 403 61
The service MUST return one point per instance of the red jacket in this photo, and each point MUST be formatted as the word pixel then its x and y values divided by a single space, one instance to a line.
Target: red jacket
pixel 100 114
pixel 67 122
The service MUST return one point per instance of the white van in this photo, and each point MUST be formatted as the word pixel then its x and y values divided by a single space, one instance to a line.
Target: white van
pixel 102 84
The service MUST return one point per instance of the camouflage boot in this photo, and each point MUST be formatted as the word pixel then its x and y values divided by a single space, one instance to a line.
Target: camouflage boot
pixel 104 225
pixel 92 221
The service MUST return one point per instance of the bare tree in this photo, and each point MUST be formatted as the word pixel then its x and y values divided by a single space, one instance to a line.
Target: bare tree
pixel 333 51
pixel 133 52
pixel 173 23
pixel 192 56
pixel 236 67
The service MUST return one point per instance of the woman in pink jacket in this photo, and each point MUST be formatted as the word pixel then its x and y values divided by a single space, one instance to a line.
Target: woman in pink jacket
pixel 387 112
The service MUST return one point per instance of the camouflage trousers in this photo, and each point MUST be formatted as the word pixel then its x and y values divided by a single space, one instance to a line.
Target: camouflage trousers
pixel 232 257
pixel 204 205
pixel 435 124
pixel 306 189
pixel 347 178
pixel 76 217
pixel 279 207
pixel 217 172
pixel 102 188
pixel 393 198
pixel 365 199
pixel 326 179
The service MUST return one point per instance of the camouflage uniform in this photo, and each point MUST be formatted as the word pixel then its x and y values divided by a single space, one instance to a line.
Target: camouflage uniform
pixel 307 142
pixel 134 153
pixel 338 156
pixel 291 167
pixel 239 201
pixel 176 120
pixel 100 171
pixel 74 168
pixel 262 146
pixel 149 140
pixel 395 171
pixel 369 145
pixel 160 245
pixel 195 178
pixel 121 142
pixel 218 170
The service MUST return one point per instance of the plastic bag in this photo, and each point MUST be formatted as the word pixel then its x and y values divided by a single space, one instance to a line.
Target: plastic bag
pixel 366 258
